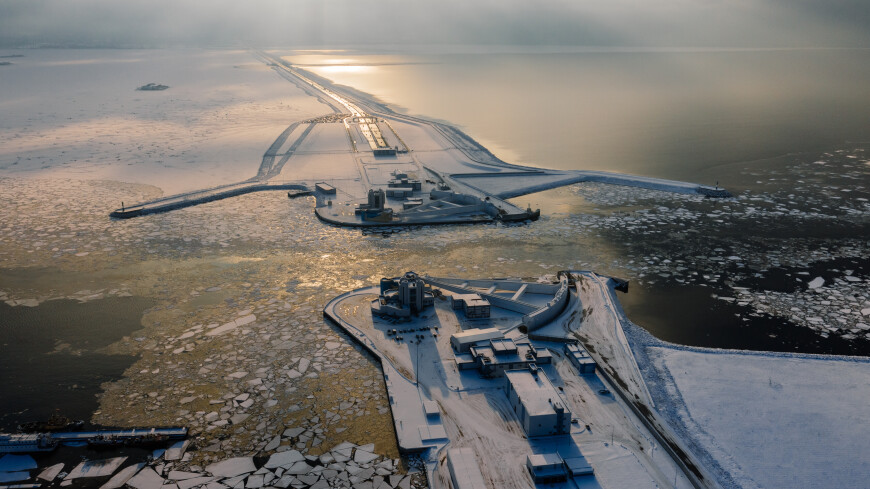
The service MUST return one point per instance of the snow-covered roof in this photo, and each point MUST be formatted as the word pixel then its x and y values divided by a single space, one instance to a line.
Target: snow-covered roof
pixel 471 299
pixel 431 408
pixel 464 469
pixel 475 335
pixel 544 459
pixel 535 391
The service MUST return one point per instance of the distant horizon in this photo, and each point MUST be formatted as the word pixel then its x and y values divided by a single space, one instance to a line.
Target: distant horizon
pixel 226 23
pixel 475 48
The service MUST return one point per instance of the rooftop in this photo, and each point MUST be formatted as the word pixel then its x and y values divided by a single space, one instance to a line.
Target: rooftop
pixel 535 390
pixel 506 351
pixel 502 346
pixel 544 459
pixel 481 334
pixel 464 468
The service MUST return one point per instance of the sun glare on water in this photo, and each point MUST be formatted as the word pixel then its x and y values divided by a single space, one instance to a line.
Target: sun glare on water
pixel 349 69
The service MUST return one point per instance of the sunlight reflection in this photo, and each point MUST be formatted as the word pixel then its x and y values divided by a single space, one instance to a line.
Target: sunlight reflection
pixel 351 69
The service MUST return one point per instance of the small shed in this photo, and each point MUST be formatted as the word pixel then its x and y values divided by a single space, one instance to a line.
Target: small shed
pixel 547 468
pixel 464 471
pixel 325 188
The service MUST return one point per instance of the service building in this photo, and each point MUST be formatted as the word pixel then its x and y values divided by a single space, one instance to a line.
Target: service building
pixel 537 403
pixel 579 357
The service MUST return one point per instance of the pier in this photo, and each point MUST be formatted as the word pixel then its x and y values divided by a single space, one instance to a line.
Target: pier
pixel 172 433
pixel 180 201
pixel 46 442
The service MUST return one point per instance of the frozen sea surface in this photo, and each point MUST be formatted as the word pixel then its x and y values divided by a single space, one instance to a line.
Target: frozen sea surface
pixel 77 113
pixel 770 420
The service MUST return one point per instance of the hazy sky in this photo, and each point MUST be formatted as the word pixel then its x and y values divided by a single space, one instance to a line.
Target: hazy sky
pixel 661 23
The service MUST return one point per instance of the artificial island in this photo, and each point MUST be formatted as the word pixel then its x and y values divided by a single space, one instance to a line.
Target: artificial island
pixel 369 166
pixel 489 380
pixel 514 383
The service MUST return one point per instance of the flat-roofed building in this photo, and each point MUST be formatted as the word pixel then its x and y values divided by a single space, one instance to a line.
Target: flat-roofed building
pixel 400 192
pixel 464 471
pixel 325 188
pixel 411 203
pixel 473 305
pixel 406 182
pixel 492 359
pixel 547 468
pixel 578 466
pixel 464 340
pixel 537 403
pixel 579 357
pixel 432 410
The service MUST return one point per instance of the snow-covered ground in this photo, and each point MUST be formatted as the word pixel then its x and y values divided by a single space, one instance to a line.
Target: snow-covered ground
pixel 77 113
pixel 771 420
pixel 476 413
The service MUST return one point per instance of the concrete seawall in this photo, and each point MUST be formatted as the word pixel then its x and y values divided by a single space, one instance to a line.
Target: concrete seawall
pixel 180 201
pixel 653 183
pixel 403 393
pixel 555 179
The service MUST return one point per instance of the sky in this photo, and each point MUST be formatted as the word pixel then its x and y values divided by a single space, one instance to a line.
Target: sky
pixel 342 23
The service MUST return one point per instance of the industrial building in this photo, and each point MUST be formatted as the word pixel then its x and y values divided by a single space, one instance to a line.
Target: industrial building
pixel 492 359
pixel 402 180
pixel 409 203
pixel 374 209
pixel 461 342
pixel 403 296
pixel 400 192
pixel 464 471
pixel 579 357
pixel 473 305
pixel 374 203
pixel 324 188
pixel 537 403
pixel 547 468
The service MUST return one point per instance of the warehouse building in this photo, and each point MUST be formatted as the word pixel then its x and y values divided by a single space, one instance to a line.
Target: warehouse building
pixel 473 305
pixel 547 468
pixel 492 359
pixel 537 403
pixel 461 342
pixel 579 357
pixel 400 192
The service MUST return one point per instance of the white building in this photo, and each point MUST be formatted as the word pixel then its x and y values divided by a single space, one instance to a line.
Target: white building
pixel 464 471
pixel 547 468
pixel 537 403
pixel 580 358
pixel 473 305
pixel 464 340
pixel 499 355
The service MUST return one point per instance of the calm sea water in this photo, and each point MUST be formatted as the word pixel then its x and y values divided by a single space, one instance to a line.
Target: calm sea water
pixel 672 114
pixel 53 355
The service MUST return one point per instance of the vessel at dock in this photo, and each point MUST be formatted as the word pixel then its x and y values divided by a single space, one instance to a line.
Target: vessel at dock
pixel 148 440
pixel 27 442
